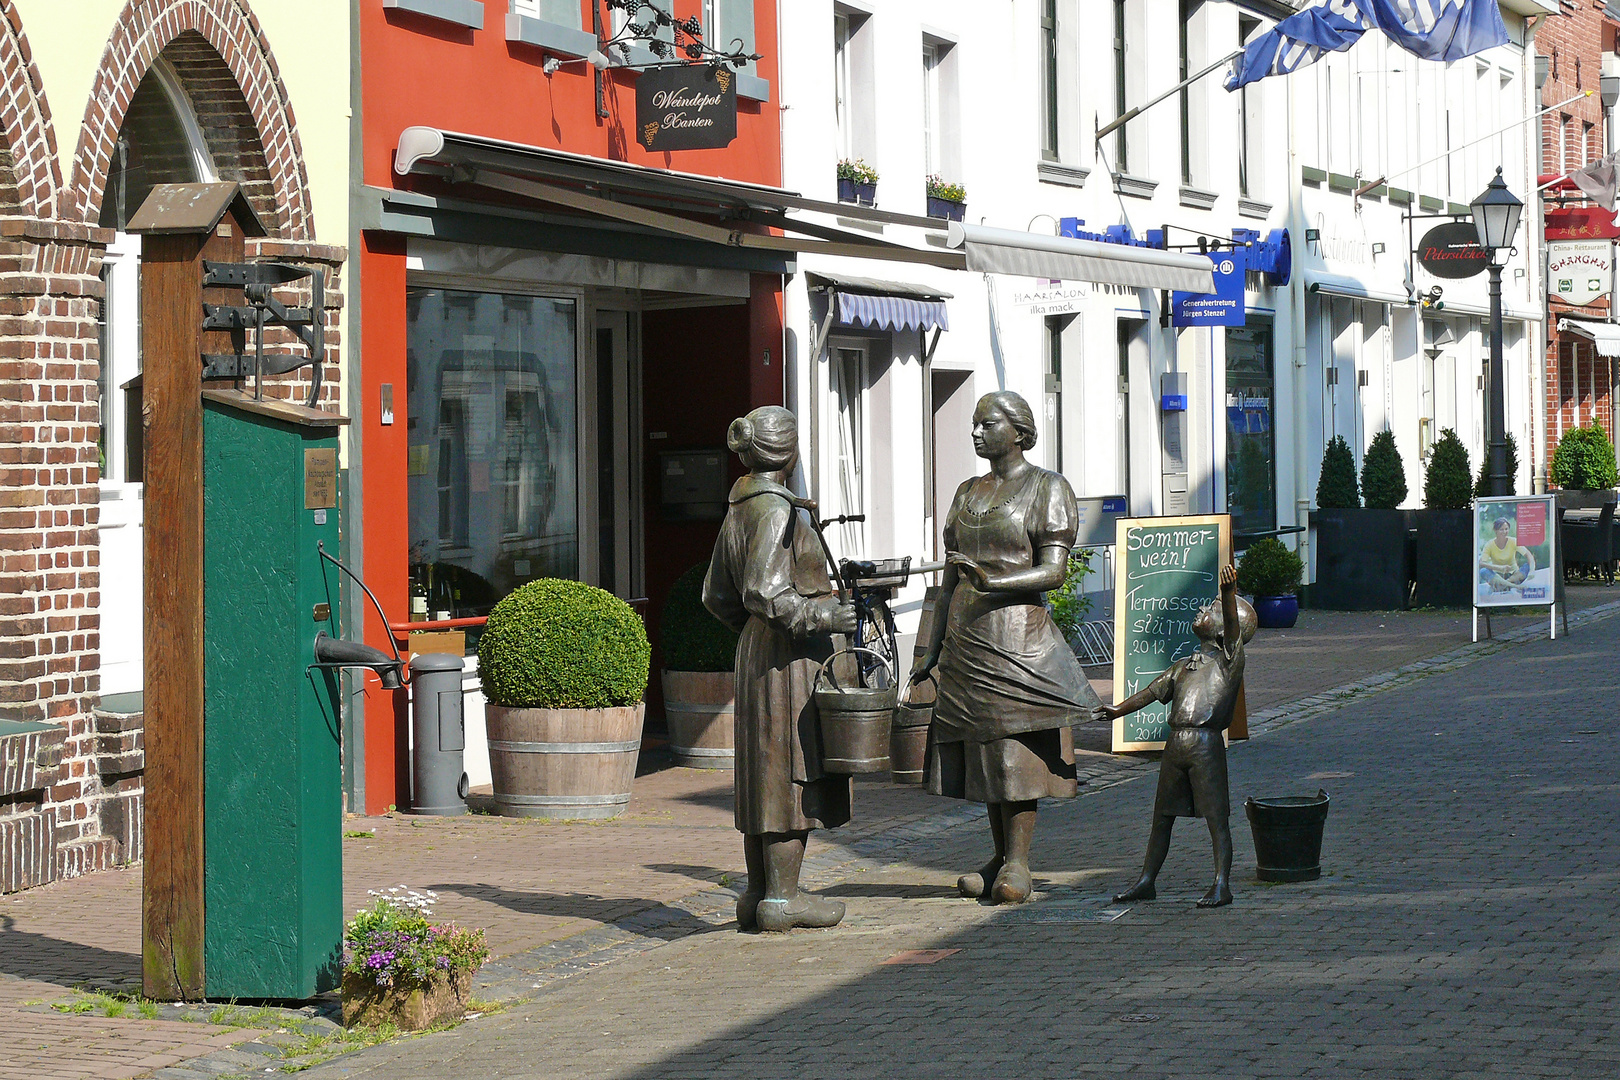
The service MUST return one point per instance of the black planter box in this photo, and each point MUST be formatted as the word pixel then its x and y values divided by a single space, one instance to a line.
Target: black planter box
pixel 1443 569
pixel 1361 560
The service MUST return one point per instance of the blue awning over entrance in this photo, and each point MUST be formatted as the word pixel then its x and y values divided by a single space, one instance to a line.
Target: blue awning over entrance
pixel 883 305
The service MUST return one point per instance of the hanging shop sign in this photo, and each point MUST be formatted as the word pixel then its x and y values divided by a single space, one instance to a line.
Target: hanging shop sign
pixel 1223 307
pixel 686 107
pixel 1578 271
pixel 1581 223
pixel 1452 251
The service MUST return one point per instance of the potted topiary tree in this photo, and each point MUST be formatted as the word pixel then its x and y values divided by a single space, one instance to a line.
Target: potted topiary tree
pixel 1583 468
pixel 1270 572
pixel 1361 562
pixel 857 182
pixel 564 667
pixel 700 685
pixel 1444 550
pixel 1482 481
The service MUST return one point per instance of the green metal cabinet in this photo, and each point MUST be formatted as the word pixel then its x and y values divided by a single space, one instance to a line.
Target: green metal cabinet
pixel 272 782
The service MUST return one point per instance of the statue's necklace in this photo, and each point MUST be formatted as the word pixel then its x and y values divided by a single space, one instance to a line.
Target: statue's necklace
pixel 1005 492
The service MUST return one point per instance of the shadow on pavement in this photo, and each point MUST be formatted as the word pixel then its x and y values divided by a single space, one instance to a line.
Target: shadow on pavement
pixel 650 916
pixel 27 955
pixel 707 874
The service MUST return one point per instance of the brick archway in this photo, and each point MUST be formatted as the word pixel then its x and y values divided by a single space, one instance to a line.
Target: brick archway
pixel 194 35
pixel 32 190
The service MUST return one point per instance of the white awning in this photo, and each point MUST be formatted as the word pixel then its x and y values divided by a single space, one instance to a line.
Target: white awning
pixel 1319 281
pixel 1040 255
pixel 1606 336
pixel 736 215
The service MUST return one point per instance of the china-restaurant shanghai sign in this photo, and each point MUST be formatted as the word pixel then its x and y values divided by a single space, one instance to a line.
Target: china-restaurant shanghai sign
pixel 1578 270
pixel 689 107
pixel 1452 251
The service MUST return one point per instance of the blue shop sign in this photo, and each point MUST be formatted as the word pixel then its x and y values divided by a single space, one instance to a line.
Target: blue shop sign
pixel 1223 307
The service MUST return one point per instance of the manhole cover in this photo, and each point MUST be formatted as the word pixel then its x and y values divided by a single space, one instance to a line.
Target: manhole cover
pixel 1138 1018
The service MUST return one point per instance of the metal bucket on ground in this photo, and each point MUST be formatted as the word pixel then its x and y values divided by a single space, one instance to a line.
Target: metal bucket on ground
pixel 855 720
pixel 1288 836
pixel 908 737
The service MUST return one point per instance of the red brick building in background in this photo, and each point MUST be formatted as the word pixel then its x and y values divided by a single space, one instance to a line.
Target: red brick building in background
pixel 178 91
pixel 1574 49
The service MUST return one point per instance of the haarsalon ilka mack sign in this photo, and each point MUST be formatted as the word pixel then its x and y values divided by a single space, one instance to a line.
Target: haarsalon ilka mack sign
pixel 689 107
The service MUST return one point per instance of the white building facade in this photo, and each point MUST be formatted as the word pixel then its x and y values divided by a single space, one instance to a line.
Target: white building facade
pixel 1176 419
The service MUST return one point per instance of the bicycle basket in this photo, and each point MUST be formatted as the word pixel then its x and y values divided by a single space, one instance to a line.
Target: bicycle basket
pixel 875 573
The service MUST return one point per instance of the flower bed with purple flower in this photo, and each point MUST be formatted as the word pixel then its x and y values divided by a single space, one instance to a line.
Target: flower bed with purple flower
pixel 393 945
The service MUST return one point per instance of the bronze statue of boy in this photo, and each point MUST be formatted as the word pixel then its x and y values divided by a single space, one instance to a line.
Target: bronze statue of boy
pixel 1202 690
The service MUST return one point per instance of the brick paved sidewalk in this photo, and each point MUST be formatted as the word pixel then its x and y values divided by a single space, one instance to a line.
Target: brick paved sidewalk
pixel 1463 926
pixel 561 898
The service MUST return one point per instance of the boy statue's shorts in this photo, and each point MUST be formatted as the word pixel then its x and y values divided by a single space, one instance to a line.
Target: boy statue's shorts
pixel 1192 775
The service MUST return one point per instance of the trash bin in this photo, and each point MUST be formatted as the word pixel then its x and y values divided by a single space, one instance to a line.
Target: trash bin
pixel 438 784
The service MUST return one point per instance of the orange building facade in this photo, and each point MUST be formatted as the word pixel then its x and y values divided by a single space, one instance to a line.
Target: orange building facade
pixel 534 359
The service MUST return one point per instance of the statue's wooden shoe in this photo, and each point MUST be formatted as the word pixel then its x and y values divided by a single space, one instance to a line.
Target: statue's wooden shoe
pixel 1013 885
pixel 974 885
pixel 806 910
pixel 747 906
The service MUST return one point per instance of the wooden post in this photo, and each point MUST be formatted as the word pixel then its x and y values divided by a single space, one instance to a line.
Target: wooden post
pixel 184 224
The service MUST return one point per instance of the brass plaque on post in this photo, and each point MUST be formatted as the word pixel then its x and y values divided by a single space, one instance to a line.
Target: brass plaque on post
pixel 320 479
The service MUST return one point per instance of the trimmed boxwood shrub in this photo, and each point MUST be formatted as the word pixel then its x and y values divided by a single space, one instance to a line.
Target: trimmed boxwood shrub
pixel 1482 482
pixel 1448 482
pixel 1383 473
pixel 555 644
pixel 1336 487
pixel 1270 568
pixel 1584 460
pixel 694 640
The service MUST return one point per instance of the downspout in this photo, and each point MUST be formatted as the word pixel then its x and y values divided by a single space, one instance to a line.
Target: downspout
pixel 1296 299
pixel 352 542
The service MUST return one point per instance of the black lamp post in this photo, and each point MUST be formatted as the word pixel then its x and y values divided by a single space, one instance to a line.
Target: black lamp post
pixel 1496 217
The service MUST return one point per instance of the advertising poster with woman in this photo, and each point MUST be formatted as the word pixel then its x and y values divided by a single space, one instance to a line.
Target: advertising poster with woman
pixel 1514 559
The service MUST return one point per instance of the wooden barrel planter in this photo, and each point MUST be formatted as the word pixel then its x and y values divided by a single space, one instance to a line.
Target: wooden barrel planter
pixel 563 764
pixel 700 712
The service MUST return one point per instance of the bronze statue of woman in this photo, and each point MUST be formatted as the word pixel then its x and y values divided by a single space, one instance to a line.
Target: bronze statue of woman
pixel 1009 685
pixel 768 581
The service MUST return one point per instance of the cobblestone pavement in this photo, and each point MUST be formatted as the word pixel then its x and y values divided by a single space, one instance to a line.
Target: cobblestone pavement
pixel 1464 926
pixel 559 900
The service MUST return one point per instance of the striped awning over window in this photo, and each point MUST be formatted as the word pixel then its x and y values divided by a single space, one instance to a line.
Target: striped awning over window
pixel 883 305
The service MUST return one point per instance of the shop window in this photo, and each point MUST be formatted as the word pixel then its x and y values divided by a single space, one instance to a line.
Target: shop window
pixel 1251 461
pixel 493 445
pixel 848 373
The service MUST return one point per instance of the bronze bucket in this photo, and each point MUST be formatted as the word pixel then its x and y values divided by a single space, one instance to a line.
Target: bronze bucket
pixel 908 738
pixel 854 720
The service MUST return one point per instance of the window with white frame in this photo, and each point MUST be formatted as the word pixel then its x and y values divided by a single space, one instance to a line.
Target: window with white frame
pixel 847 374
pixel 942 137
pixel 1049 80
pixel 561 12
pixel 729 23
pixel 931 107
pixel 853 64
pixel 1251 125
pixel 1121 88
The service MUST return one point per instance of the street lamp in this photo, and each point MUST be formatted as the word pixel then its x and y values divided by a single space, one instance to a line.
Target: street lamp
pixel 1496 218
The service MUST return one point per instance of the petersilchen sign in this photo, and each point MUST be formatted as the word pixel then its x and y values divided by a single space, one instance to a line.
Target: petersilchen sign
pixel 691 107
pixel 1452 251
pixel 1578 270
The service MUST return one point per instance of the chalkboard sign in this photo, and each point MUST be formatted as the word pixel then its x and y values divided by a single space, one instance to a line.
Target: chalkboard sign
pixel 1168 568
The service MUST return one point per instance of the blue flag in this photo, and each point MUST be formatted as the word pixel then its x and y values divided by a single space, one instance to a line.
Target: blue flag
pixel 1431 29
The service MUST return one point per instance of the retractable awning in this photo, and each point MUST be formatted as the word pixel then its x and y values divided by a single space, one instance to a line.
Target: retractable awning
pixel 1319 281
pixel 739 215
pixel 883 305
pixel 1008 251
pixel 1606 336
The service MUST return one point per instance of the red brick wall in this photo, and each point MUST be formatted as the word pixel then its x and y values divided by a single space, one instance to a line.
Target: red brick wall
pixel 1578 381
pixel 88 814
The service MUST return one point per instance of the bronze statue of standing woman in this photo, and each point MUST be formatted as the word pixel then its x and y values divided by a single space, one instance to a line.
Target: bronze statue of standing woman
pixel 1010 688
pixel 768 581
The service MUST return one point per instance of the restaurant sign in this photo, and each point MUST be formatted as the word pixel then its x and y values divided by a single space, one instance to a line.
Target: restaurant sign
pixel 686 107
pixel 1578 270
pixel 1452 251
